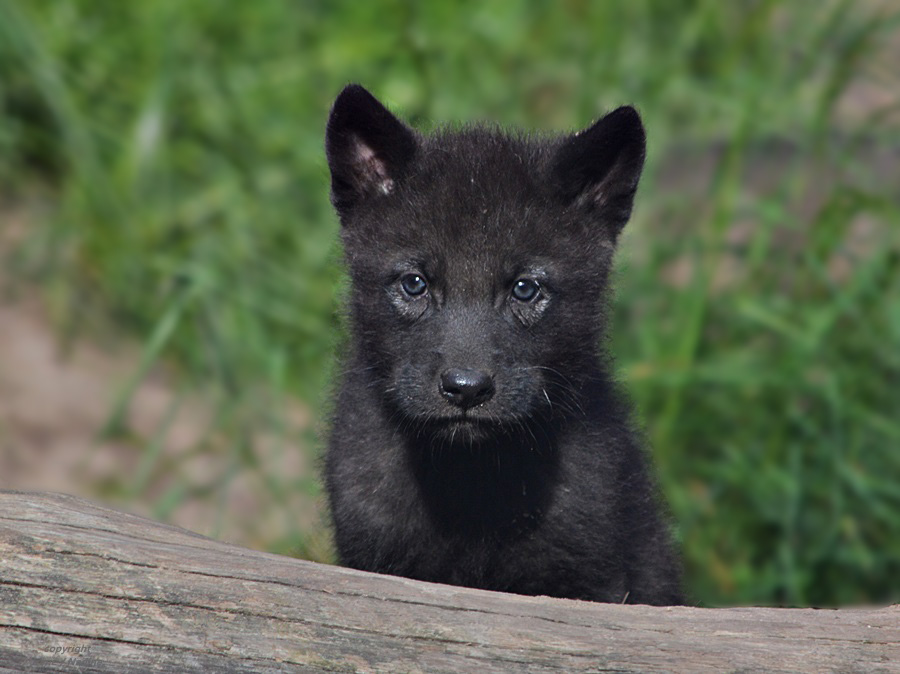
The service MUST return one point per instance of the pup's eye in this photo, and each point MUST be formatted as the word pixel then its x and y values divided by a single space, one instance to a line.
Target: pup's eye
pixel 413 284
pixel 525 289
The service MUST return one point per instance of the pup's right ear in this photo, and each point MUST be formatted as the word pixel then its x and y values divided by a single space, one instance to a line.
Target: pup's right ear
pixel 368 149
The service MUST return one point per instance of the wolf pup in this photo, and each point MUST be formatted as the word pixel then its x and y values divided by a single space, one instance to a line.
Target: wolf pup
pixel 478 436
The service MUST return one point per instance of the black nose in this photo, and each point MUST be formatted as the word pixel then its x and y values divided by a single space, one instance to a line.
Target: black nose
pixel 466 388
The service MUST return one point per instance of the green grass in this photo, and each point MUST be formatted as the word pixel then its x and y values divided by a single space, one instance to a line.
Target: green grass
pixel 758 314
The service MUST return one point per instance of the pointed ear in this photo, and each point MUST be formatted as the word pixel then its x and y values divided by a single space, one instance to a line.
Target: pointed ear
pixel 599 168
pixel 368 149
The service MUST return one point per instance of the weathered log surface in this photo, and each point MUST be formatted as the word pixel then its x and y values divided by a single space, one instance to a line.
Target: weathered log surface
pixel 84 588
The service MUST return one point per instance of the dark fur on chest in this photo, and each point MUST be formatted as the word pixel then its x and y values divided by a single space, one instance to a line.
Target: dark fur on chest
pixel 478 437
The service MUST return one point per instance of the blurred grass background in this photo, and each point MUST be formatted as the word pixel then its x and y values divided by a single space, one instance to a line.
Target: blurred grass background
pixel 175 149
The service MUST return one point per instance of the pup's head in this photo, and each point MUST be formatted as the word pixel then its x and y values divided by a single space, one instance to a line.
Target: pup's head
pixel 479 260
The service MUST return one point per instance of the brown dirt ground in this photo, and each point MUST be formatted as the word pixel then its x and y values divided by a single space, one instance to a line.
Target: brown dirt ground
pixel 55 402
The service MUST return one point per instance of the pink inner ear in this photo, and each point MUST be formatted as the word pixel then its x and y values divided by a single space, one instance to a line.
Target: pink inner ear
pixel 370 169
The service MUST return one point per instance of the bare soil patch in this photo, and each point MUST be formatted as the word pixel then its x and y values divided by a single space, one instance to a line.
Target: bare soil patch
pixel 56 402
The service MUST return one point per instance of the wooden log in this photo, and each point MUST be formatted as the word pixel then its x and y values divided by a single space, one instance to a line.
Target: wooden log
pixel 85 588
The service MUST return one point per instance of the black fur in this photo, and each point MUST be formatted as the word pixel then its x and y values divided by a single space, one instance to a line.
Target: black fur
pixel 479 438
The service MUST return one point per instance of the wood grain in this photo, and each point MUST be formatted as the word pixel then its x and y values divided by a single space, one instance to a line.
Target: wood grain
pixel 86 588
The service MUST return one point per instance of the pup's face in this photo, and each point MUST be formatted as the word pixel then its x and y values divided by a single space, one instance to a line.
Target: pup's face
pixel 478 262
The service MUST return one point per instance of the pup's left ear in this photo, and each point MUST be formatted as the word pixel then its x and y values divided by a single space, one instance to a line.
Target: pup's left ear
pixel 599 168
pixel 368 148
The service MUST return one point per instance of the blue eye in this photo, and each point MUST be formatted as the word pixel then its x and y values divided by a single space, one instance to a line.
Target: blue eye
pixel 413 284
pixel 525 289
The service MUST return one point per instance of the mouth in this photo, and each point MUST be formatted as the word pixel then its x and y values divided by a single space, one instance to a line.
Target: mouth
pixel 464 427
pixel 464 420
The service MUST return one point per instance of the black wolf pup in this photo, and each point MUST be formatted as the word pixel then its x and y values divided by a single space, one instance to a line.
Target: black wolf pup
pixel 478 436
